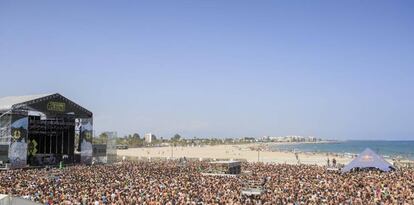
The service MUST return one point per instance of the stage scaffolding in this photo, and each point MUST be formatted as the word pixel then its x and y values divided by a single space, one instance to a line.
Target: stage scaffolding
pixel 104 150
pixel 111 147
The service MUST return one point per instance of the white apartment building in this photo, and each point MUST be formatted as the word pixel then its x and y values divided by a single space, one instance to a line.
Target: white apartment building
pixel 149 137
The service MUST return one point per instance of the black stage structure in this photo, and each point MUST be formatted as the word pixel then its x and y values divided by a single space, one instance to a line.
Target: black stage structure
pixel 41 130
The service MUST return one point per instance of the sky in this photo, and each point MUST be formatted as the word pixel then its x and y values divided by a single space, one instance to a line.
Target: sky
pixel 333 69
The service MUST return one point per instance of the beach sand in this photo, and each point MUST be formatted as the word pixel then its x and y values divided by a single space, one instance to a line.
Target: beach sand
pixel 231 152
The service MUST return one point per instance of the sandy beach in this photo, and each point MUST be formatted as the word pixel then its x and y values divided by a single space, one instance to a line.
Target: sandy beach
pixel 231 152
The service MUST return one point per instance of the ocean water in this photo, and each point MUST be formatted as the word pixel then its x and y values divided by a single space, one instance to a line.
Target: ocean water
pixel 389 149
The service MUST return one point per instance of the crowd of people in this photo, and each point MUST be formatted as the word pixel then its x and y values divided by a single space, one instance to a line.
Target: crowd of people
pixel 174 182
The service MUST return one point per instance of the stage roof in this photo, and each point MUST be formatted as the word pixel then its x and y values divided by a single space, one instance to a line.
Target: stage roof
pixel 6 103
pixel 49 104
pixel 368 159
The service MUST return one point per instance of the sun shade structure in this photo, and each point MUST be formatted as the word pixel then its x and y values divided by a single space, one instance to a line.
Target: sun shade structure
pixel 368 159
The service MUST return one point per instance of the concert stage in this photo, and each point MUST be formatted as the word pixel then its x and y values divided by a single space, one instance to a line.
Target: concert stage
pixel 40 130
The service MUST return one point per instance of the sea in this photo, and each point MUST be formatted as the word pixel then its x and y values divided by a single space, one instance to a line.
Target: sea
pixel 388 149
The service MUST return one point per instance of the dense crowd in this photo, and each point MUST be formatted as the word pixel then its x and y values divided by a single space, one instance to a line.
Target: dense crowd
pixel 173 182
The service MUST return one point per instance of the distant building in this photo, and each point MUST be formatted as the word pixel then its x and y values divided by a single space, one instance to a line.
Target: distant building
pixel 294 138
pixel 149 137
pixel 265 138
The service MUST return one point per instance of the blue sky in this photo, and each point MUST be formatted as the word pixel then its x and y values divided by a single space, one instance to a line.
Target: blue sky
pixel 340 70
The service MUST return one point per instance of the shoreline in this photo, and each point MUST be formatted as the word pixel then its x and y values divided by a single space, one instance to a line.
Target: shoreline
pixel 390 157
pixel 266 146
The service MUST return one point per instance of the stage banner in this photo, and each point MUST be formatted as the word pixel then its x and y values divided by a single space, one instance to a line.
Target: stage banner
pixel 18 141
pixel 86 132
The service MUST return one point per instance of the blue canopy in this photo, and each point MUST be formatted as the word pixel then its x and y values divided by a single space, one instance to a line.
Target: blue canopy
pixel 368 159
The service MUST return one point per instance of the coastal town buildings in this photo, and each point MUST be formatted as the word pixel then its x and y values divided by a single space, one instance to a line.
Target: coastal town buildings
pixel 291 138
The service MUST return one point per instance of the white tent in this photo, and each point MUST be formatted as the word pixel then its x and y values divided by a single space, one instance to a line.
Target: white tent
pixel 368 159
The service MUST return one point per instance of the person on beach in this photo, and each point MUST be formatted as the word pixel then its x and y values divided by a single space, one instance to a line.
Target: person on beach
pixel 297 158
